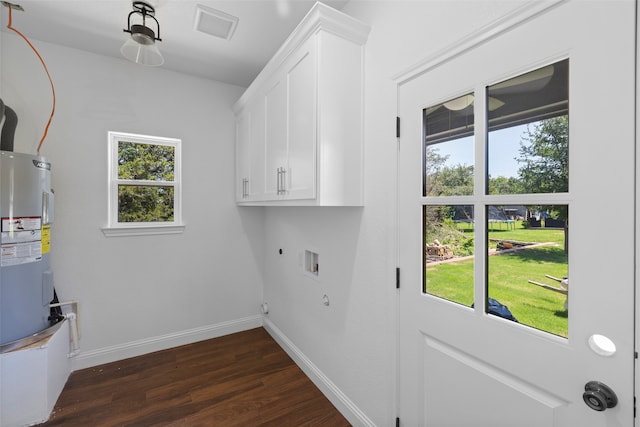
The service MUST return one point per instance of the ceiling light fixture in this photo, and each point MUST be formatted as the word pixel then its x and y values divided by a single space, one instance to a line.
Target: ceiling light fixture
pixel 141 46
pixel 459 103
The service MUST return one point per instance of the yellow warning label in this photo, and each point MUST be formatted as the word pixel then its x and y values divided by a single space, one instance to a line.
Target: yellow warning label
pixel 46 238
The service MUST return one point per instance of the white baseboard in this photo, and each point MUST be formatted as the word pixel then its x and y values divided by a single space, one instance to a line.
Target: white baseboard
pixel 87 359
pixel 340 400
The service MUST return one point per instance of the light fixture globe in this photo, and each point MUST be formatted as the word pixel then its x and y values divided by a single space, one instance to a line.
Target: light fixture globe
pixel 141 47
pixel 142 54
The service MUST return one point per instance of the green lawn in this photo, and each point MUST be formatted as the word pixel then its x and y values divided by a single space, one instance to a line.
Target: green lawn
pixel 508 279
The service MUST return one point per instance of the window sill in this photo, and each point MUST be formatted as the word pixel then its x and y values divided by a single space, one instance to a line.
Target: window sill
pixel 142 230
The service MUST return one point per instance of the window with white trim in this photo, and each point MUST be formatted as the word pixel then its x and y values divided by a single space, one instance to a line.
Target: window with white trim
pixel 144 185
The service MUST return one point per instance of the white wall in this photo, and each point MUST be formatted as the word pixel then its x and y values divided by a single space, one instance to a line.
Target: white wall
pixel 138 294
pixel 352 341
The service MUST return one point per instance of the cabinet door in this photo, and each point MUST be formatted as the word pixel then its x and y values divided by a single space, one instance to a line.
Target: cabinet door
pixel 250 142
pixel 301 124
pixel 242 157
pixel 275 138
pixel 256 146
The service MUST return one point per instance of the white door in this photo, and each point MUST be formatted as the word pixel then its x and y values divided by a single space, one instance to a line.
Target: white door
pixel 562 77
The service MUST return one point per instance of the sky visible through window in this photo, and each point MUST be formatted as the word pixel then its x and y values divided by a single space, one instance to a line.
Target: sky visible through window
pixel 504 145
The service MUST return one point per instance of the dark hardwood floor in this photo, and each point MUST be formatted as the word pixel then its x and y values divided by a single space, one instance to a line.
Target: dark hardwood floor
pixel 243 379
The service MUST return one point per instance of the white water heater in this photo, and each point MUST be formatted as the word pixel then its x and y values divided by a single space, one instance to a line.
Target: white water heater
pixel 26 215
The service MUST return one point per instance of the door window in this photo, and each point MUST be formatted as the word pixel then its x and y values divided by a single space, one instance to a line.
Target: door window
pixel 524 235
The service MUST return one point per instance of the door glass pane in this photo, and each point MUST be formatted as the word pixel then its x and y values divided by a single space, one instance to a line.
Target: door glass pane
pixel 448 252
pixel 528 132
pixel 528 265
pixel 448 148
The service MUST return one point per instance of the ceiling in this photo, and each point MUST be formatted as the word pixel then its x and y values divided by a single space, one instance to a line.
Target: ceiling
pixel 96 26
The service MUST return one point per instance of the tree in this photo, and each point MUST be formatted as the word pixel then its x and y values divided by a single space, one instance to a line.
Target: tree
pixel 544 155
pixel 434 162
pixel 145 162
pixel 442 180
pixel 456 180
pixel 503 185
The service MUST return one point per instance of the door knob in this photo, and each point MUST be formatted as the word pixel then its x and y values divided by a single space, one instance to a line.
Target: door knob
pixel 598 396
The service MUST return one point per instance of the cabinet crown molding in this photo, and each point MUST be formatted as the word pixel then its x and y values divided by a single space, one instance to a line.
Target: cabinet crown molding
pixel 320 18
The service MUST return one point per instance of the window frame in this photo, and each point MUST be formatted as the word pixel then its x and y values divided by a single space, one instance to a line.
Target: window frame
pixel 116 228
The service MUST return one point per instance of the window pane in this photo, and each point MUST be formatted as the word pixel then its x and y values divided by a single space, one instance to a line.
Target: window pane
pixel 448 148
pixel 448 252
pixel 528 265
pixel 528 132
pixel 145 161
pixel 139 203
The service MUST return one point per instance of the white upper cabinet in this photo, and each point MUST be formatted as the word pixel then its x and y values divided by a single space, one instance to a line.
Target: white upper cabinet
pixel 250 177
pixel 299 124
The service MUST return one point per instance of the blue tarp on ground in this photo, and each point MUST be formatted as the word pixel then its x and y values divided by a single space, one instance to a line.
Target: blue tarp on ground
pixel 498 309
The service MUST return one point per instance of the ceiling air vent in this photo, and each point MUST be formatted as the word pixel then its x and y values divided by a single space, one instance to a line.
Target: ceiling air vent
pixel 214 22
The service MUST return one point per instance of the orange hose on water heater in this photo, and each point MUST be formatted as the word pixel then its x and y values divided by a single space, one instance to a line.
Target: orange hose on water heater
pixel 53 90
